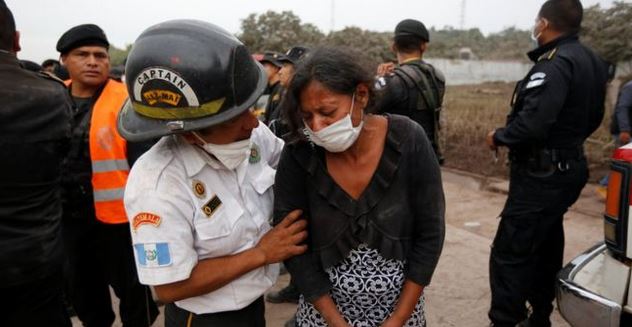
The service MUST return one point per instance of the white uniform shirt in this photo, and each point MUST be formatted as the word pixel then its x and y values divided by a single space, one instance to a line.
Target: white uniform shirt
pixel 185 206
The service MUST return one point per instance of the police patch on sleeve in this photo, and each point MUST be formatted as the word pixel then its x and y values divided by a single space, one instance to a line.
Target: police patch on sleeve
pixel 535 80
pixel 380 83
pixel 145 218
pixel 151 255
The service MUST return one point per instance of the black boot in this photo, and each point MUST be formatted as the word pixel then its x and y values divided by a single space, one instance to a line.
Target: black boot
pixel 288 294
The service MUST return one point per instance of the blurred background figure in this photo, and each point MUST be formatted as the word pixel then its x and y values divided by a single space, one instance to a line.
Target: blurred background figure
pixel 272 66
pixel 620 126
pixel 276 121
pixel 30 65
pixel 413 88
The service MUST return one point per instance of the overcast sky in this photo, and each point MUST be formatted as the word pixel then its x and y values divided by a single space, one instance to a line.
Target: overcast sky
pixel 42 22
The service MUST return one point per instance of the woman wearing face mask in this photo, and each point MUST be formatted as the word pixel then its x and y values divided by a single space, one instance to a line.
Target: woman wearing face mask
pixel 370 187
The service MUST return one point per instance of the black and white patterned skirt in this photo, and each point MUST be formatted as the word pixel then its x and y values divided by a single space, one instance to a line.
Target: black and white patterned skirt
pixel 366 288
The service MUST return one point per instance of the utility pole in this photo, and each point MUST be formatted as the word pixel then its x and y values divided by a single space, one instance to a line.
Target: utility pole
pixel 462 23
pixel 333 16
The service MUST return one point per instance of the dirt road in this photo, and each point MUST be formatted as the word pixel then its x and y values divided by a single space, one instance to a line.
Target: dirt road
pixel 459 294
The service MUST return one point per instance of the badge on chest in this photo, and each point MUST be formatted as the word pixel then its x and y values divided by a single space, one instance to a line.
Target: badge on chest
pixel 211 206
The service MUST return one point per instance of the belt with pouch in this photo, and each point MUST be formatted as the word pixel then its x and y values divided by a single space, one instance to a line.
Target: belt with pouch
pixel 548 160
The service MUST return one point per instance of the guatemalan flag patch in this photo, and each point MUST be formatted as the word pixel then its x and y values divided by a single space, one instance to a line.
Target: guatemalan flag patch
pixel 153 254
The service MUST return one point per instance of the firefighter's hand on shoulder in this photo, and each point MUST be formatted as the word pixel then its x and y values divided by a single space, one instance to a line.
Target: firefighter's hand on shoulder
pixel 385 68
pixel 284 240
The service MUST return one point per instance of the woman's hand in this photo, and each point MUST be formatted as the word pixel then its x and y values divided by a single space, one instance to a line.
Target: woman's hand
pixel 411 292
pixel 327 308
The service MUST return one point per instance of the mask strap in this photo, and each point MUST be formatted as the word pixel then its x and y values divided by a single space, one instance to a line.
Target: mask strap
pixel 197 136
pixel 352 104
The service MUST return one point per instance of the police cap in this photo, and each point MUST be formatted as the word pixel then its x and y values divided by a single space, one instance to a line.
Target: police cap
pixel 412 27
pixel 271 57
pixel 82 35
pixel 293 55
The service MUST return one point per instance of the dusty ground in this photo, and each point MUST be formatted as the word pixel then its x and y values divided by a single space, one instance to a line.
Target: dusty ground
pixel 459 294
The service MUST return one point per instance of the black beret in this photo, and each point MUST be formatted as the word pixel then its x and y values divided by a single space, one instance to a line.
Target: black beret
pixel 412 27
pixel 81 35
pixel 272 57
pixel 294 54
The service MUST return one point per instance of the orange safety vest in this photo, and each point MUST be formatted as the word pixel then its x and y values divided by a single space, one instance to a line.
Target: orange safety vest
pixel 108 153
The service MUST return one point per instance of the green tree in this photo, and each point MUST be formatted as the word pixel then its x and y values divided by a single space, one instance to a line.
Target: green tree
pixel 609 31
pixel 374 46
pixel 118 56
pixel 277 32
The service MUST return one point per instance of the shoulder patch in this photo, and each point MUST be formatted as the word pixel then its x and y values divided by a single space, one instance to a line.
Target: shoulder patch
pixel 145 218
pixel 535 80
pixel 152 255
pixel 548 55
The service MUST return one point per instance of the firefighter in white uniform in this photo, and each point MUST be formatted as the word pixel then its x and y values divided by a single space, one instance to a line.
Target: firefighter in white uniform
pixel 200 200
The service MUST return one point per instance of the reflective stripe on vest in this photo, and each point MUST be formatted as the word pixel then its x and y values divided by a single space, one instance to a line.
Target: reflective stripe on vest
pixel 109 195
pixel 108 152
pixel 104 166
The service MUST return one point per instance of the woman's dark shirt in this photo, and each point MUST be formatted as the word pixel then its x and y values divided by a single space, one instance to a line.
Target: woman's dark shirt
pixel 400 213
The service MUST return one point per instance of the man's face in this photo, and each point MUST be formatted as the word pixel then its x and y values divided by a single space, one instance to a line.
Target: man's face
pixel 271 70
pixel 89 65
pixel 286 73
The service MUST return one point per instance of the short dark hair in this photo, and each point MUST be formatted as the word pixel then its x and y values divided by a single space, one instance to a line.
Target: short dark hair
pixel 7 27
pixel 50 62
pixel 564 15
pixel 340 70
pixel 407 43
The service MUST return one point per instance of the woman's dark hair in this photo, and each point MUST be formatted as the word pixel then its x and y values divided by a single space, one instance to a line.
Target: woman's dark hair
pixel 564 15
pixel 340 70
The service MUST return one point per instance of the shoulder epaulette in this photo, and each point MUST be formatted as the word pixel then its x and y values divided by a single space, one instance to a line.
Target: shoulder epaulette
pixel 548 55
pixel 50 76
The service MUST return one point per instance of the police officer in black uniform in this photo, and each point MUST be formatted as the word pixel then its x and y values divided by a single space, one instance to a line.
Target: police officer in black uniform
pixel 276 120
pixel 415 88
pixel 34 134
pixel 272 66
pixel 554 109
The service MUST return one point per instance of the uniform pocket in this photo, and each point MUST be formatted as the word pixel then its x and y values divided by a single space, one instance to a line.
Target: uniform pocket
pixel 515 236
pixel 264 179
pixel 219 223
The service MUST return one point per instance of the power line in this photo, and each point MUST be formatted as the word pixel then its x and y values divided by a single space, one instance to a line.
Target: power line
pixel 462 22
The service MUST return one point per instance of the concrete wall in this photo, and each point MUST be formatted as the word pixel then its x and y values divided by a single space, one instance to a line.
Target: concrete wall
pixel 459 72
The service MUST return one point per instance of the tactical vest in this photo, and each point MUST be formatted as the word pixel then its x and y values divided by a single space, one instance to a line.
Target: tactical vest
pixel 429 83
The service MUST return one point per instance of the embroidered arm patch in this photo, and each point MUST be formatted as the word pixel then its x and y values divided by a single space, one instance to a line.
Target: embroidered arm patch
pixel 152 255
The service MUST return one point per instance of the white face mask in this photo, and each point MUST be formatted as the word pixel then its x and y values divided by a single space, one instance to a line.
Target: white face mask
pixel 338 136
pixel 231 155
pixel 534 36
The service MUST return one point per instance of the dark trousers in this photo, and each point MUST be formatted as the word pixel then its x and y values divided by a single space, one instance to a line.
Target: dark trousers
pixel 100 255
pixel 34 304
pixel 528 248
pixel 251 316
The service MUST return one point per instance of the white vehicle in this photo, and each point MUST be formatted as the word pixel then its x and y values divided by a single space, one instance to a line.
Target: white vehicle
pixel 594 289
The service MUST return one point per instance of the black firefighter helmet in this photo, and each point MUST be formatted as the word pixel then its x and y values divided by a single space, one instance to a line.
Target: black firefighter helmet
pixel 185 75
